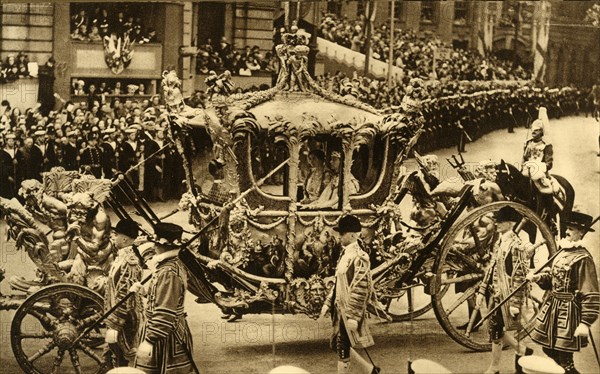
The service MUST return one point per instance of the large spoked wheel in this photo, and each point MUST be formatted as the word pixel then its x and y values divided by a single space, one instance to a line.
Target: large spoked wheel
pixel 48 322
pixel 461 263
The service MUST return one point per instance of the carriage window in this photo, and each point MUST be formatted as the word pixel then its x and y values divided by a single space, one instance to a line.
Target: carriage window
pixel 367 164
pixel 266 156
pixel 318 175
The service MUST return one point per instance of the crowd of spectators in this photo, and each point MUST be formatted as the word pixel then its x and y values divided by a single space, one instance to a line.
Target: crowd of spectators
pixel 14 68
pixel 101 139
pixel 223 56
pixel 414 53
pixel 93 28
pixel 79 87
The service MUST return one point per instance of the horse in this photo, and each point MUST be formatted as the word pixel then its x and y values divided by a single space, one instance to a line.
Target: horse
pixel 517 187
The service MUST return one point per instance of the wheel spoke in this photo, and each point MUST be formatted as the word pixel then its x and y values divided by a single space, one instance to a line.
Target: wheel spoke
pixel 43 318
pixel 88 351
pixel 35 335
pixel 44 350
pixel 466 295
pixel 75 360
pixel 467 260
pixel 58 360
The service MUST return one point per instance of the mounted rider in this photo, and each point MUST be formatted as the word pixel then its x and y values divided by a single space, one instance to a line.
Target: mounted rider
pixel 538 157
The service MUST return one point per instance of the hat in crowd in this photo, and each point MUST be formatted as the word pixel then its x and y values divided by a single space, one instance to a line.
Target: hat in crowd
pixel 109 130
pixel 580 221
pixel 168 234
pixel 130 130
pixel 39 133
pixel 335 154
pixel 508 214
pixel 128 227
pixel 72 133
pixel 349 223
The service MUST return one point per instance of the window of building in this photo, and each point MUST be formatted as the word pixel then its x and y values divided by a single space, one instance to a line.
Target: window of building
pixel 360 8
pixel 427 11
pixel 90 22
pixel 460 12
pixel 397 9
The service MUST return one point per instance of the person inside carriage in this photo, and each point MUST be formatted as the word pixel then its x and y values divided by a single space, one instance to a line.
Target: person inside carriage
pixel 317 177
pixel 329 196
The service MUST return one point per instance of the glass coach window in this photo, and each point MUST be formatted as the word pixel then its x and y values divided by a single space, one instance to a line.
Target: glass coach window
pixel 319 173
pixel 367 166
pixel 266 155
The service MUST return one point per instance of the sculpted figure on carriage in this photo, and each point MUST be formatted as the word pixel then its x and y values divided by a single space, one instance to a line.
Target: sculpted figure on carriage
pixel 77 249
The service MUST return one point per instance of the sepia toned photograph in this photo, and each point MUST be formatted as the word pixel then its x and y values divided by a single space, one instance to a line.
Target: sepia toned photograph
pixel 296 187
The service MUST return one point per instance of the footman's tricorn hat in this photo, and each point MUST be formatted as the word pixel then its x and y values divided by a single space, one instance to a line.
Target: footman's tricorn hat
pixel 348 223
pixel 580 221
pixel 507 214
pixel 168 234
pixel 128 227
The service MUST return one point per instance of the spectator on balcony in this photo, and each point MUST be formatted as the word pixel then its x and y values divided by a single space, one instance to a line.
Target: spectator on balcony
pixel 94 35
pixel 79 86
pixel 10 68
pixel 80 33
pixel 141 89
pixel 150 36
pixel 128 25
pixel 252 63
pixel 93 96
pixel 224 48
pixel 22 65
pixel 215 62
pixel 78 20
pixel 103 22
pixel 118 25
pixel 117 90
pixel 135 36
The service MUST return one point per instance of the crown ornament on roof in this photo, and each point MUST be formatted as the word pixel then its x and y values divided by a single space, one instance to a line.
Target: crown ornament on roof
pixel 293 53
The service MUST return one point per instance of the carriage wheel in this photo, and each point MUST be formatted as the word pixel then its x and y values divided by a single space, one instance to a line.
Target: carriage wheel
pixel 460 267
pixel 47 323
pixel 407 304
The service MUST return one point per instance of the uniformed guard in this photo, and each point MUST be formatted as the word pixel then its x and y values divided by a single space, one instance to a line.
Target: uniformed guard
pixel 563 323
pixel 509 267
pixel 352 296
pixel 166 338
pixel 91 157
pixel 71 152
pixel 124 324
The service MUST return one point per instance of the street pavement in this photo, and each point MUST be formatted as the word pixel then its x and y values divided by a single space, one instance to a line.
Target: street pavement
pixel 258 343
